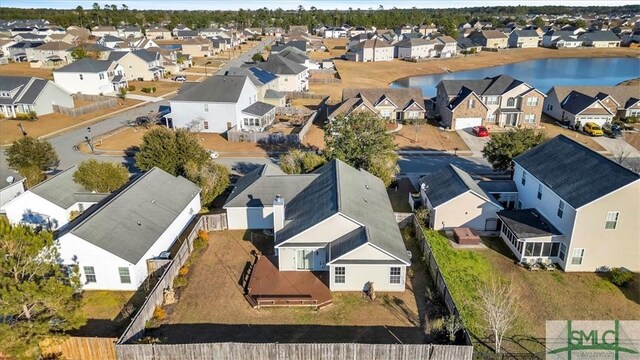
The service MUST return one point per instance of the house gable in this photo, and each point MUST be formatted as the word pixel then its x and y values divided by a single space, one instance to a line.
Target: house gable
pixel 325 231
pixel 369 253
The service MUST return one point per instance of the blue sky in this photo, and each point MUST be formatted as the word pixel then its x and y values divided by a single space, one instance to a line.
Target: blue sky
pixel 293 4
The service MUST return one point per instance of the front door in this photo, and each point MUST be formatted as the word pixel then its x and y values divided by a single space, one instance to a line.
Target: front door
pixel 304 259
pixel 512 119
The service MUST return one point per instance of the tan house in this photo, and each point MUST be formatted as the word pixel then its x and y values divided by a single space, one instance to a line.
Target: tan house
pixel 500 101
pixel 523 39
pixel 68 38
pixel 197 47
pixel 158 33
pixel 371 50
pixel 139 64
pixel 102 31
pixel 393 104
pixel 427 30
pixel 54 53
pixel 492 39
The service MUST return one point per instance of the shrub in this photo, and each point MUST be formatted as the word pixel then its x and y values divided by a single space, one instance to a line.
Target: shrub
pixel 23 116
pixel 632 119
pixel 1 115
pixel 422 214
pixel 183 271
pixel 159 313
pixel 620 277
pixel 179 281
pixel 132 88
pixel 32 115
pixel 153 89
pixel 203 235
pixel 146 90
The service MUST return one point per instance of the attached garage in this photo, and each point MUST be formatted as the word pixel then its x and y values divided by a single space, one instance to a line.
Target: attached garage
pixel 464 123
pixel 600 120
pixel 250 218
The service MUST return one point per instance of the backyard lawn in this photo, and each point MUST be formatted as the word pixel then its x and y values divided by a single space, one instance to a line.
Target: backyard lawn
pixel 24 69
pixel 212 307
pixel 543 295
pixel 103 312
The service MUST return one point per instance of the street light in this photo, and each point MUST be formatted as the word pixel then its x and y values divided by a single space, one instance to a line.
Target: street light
pixel 89 130
pixel 205 68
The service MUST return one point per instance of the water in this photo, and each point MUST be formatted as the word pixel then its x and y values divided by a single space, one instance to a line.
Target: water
pixel 171 46
pixel 542 74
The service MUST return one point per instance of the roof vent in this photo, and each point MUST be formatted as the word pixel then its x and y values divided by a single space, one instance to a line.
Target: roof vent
pixel 365 200
pixel 139 223
pixel 153 201
pixel 367 187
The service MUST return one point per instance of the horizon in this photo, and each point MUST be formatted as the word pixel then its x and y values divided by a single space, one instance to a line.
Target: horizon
pixel 219 5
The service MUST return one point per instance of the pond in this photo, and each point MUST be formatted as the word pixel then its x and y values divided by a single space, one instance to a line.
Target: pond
pixel 542 74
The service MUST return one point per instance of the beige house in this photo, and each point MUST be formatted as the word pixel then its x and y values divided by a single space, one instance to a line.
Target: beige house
pixel 371 50
pixel 393 104
pixel 500 101
pixel 139 64
pixel 416 49
pixel 158 34
pixel 197 47
pixel 68 38
pixel 54 53
pixel 523 39
pixel 492 39
pixel 102 31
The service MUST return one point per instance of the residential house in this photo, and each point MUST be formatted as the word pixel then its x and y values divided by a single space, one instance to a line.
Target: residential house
pixel 499 101
pixel 261 79
pixel 139 64
pixel 298 56
pixel 19 94
pixel 335 32
pixel 197 47
pixel 52 203
pixel 4 46
pixel 92 77
pixel 158 33
pixel 179 28
pixel 13 188
pixel 298 28
pixel 187 34
pixel 144 213
pixel 18 51
pixel 275 98
pixel 371 50
pixel 54 53
pixel 492 39
pixel 319 30
pixel 138 44
pixel 95 50
pixel 291 75
pixel 101 31
pixel 427 30
pixel 273 31
pixel 30 37
pixel 561 39
pixel 600 39
pixel 416 49
pixel 128 31
pixel 322 222
pixel 394 104
pixel 569 214
pixel 80 33
pixel 468 46
pixel 218 104
pixel 577 105
pixel 358 30
pixel 446 47
pixel 68 38
pixel 523 39
pixel 454 199
pixel 111 41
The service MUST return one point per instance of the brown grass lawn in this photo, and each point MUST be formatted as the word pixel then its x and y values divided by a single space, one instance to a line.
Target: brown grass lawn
pixel 429 138
pixel 102 310
pixel 380 74
pixel 162 87
pixel 552 130
pixel 23 69
pixel 212 306
pixel 633 139
pixel 46 124
pixel 336 47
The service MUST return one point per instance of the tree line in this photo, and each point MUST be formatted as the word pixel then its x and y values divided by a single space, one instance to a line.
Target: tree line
pixel 379 16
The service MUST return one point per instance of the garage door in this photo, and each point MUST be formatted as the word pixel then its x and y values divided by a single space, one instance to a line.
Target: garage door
pixel 463 123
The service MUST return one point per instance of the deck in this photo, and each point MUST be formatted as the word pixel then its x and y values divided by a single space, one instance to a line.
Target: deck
pixel 270 287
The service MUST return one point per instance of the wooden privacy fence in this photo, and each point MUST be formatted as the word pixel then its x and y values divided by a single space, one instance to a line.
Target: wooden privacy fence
pixel 135 330
pixel 276 351
pixel 436 275
pixel 283 110
pixel 403 219
pixel 80 348
pixel 325 81
pixel 265 137
pixel 98 103
pixel 303 95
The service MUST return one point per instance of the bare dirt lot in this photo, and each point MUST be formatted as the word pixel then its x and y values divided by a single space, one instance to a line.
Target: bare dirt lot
pixel 23 69
pixel 46 124
pixel 162 87
pixel 380 74
pixel 212 307
pixel 633 139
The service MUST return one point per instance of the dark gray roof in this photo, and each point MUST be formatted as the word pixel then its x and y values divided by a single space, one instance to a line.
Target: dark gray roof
pixel 62 191
pixel 450 182
pixel 258 108
pixel 145 55
pixel 117 55
pixel 28 89
pixel 576 102
pixel 111 38
pixel 276 64
pixel 496 85
pixel 273 94
pixel 526 33
pixel 86 65
pixel 257 76
pixel 410 42
pixel 130 221
pixel 498 186
pixel 527 223
pixel 217 89
pixel 599 36
pixel 574 172
pixel 182 33
pixel 347 242
pixel 94 47
pixel 294 54
pixel 33 91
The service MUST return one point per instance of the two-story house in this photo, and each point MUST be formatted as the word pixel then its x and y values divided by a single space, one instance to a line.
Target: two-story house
pixel 499 101
pixel 446 47
pixel 492 39
pixel 416 49
pixel 561 39
pixel 158 33
pixel 371 50
pixel 605 38
pixel 220 103
pixel 263 80
pixel 178 28
pixel 393 104
pixel 291 75
pixel 139 64
pixel 129 31
pixel 92 77
pixel 523 39
pixel 20 94
pixel 100 31
pixel 53 53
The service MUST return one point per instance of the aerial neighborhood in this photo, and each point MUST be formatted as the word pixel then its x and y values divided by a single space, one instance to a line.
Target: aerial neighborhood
pixel 305 183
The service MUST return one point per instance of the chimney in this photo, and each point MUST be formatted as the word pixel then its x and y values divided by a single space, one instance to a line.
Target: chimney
pixel 278 213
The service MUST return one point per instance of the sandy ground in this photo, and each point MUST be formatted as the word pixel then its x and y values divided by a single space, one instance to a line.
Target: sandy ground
pixel 9 130
pixel 633 139
pixel 552 130
pixel 23 69
pixel 380 74
pixel 162 87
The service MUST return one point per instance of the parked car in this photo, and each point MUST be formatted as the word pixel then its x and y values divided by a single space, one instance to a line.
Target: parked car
pixel 612 130
pixel 480 131
pixel 214 154
pixel 592 129
pixel 179 78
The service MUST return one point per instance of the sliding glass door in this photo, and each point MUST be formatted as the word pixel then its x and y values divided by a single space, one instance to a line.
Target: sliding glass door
pixel 304 259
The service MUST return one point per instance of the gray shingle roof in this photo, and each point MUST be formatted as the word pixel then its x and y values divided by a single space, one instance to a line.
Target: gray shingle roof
pixel 528 223
pixel 258 108
pixel 450 182
pixel 216 89
pixel 62 191
pixel 278 65
pixel 498 186
pixel 130 221
pixel 599 36
pixel 496 85
pixel 86 65
pixel 569 170
pixel 576 102
pixel 273 94
pixel 526 33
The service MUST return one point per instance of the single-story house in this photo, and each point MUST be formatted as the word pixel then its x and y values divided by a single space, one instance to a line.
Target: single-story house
pixel 19 94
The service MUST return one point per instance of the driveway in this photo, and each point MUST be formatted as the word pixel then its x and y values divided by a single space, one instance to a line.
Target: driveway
pixel 475 144
pixel 617 146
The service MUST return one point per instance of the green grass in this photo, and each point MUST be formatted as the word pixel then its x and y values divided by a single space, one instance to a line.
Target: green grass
pixel 104 304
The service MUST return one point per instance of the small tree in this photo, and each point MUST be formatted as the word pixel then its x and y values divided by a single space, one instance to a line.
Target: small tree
pixel 362 141
pixel 257 57
pixel 503 147
pixel 158 149
pixel 37 296
pixel 30 152
pixel 103 177
pixel 452 324
pixel 33 175
pixel 621 153
pixel 213 179
pixel 79 53
pixel 417 124
pixel 498 304
pixel 300 162
pixel 123 92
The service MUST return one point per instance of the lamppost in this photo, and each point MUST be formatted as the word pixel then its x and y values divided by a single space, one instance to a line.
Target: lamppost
pixel 89 130
pixel 90 143
pixel 205 68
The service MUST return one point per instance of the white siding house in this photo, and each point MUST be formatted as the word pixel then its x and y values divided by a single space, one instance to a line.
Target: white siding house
pixel 92 77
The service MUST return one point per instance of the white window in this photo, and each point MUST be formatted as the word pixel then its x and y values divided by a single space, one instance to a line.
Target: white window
pixel 394 275
pixel 339 275
pixel 612 220
pixel 471 104
pixel 511 102
pixel 90 274
pixel 206 107
pixel 385 113
pixel 532 101
pixel 524 178
pixel 578 254
pixel 491 118
pixel 125 277
pixel 491 100
pixel 560 209
pixel 539 191
pixel 530 118
pixel 563 251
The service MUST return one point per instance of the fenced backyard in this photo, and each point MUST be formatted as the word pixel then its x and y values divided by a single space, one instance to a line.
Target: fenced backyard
pixel 85 348
pixel 97 103
pixel 268 137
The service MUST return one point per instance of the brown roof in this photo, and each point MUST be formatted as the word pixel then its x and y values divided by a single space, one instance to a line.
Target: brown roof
pixel 400 97
pixel 621 93
pixel 446 39
pixel 60 37
pixel 595 111
pixel 157 30
pixel 55 45
pixel 375 43
pixel 494 34
pixel 346 107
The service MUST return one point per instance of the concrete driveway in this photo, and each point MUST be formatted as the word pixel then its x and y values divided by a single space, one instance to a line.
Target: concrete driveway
pixel 475 144
pixel 616 146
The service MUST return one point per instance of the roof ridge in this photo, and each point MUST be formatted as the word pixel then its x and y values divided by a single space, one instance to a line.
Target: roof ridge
pixel 338 188
pixel 594 152
pixel 51 178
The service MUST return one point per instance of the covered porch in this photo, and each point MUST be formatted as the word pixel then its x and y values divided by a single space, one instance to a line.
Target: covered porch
pixel 269 287
pixel 119 81
pixel 509 117
pixel 531 238
pixel 257 117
